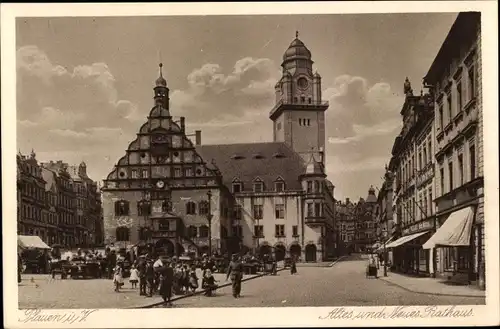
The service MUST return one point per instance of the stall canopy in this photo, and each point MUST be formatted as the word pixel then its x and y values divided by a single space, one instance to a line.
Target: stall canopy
pixel 31 242
pixel 404 239
pixel 455 231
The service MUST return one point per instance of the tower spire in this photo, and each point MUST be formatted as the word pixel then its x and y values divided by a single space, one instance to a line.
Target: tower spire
pixel 296 34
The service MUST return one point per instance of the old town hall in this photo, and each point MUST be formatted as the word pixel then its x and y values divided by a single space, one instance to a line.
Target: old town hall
pixel 181 196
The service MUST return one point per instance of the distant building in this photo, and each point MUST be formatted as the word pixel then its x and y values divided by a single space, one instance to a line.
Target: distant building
pixel 346 225
pixel 384 215
pixel 48 205
pixel 269 198
pixel 365 230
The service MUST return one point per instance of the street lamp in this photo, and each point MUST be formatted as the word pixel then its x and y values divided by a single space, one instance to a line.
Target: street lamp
pixel 385 251
pixel 209 218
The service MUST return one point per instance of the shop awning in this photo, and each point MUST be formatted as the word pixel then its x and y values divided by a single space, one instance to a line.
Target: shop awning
pixel 386 244
pixel 31 242
pixel 455 231
pixel 405 239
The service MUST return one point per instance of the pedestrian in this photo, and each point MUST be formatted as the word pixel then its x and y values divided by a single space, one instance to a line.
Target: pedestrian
pixel 293 266
pixel 134 276
pixel 150 278
pixel 372 267
pixel 235 271
pixel 166 281
pixel 208 283
pixel 193 279
pixel 142 277
pixel 118 276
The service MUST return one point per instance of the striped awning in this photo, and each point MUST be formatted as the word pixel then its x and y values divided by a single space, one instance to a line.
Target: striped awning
pixel 455 231
pixel 381 248
pixel 31 242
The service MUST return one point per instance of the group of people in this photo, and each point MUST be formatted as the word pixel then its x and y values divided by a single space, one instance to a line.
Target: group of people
pixel 169 276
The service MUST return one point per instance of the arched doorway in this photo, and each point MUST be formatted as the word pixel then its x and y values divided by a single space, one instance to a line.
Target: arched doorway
pixel 295 251
pixel 311 253
pixel 279 252
pixel 180 249
pixel 164 247
pixel 265 250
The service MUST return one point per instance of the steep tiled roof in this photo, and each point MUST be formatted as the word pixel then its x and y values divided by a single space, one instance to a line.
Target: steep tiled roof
pixel 246 162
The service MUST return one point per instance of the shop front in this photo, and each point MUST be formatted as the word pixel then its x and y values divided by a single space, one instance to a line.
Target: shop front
pixel 454 245
pixel 408 256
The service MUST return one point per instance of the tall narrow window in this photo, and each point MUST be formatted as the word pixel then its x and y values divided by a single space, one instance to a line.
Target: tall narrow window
pixel 441 118
pixel 450 107
pixel 441 179
pixel 310 210
pixel 134 173
pixel 450 176
pixel 460 169
pixel 471 82
pixel 280 211
pixel 459 97
pixel 190 208
pixel 309 187
pixel 300 122
pixel 258 211
pixel 317 210
pixel 430 150
pixel 295 230
pixel 472 155
pixel 280 230
pixel 425 155
pixel 259 231
pixel 237 211
pixel 419 161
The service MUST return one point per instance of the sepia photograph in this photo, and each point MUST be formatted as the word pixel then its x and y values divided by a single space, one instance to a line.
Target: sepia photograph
pixel 171 162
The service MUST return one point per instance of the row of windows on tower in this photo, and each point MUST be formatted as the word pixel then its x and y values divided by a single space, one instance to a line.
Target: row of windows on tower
pixel 302 100
pixel 304 122
pixel 122 207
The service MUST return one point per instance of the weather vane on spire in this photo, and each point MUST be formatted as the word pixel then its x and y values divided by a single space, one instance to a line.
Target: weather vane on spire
pixel 161 71
pixel 296 34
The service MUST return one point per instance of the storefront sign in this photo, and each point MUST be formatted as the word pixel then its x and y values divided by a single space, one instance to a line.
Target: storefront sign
pixel 419 227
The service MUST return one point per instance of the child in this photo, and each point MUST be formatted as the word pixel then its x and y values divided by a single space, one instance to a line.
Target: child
pixel 208 283
pixel 193 280
pixel 134 276
pixel 118 277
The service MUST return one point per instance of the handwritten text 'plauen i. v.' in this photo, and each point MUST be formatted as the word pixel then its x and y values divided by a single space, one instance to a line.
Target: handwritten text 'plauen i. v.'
pixel 399 312
pixel 37 315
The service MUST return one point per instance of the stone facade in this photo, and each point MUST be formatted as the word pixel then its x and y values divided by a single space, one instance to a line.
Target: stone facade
pixel 48 205
pixel 455 80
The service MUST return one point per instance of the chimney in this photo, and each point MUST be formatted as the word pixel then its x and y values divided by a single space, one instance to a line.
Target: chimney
pixel 347 200
pixel 198 137
pixel 183 127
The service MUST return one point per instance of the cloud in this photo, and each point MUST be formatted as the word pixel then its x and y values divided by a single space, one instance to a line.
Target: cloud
pixel 213 94
pixel 355 103
pixel 362 132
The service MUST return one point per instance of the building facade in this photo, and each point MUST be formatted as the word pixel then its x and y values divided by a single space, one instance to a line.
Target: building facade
pixel 413 165
pixel 365 234
pixel 266 198
pixel 47 203
pixel 455 81
pixel 384 215
pixel 346 226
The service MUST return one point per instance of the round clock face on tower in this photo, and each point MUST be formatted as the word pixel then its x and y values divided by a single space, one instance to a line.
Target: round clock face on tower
pixel 160 184
pixel 302 83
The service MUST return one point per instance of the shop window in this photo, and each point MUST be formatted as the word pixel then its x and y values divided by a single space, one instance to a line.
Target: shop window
pixel 122 233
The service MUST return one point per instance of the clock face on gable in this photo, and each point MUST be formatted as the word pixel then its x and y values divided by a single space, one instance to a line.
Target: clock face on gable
pixel 302 83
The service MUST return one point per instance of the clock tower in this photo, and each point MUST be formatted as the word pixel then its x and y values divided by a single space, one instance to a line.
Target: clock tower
pixel 299 113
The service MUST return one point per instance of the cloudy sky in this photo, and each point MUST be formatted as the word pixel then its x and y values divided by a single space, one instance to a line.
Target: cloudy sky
pixel 84 85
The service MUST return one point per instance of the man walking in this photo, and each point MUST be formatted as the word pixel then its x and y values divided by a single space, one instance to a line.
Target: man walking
pixel 166 282
pixel 235 270
pixel 142 276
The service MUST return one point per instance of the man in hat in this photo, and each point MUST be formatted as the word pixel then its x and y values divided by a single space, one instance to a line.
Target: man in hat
pixel 235 270
pixel 167 279
pixel 141 266
pixel 150 277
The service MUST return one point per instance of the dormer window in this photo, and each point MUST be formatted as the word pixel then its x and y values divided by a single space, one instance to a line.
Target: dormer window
pixel 237 187
pixel 258 187
pixel 237 157
pixel 279 155
pixel 258 156
pixel 279 186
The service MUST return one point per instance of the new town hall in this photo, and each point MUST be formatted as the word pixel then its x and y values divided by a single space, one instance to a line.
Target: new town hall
pixel 185 197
